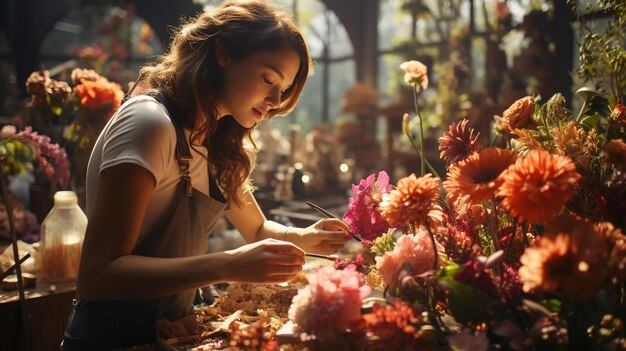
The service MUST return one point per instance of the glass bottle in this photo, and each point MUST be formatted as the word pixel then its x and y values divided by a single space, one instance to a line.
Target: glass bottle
pixel 62 235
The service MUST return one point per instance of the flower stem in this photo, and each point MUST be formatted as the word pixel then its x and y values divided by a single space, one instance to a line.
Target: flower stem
pixel 432 169
pixel 580 113
pixel 432 240
pixel 417 112
pixel 494 225
pixel 494 233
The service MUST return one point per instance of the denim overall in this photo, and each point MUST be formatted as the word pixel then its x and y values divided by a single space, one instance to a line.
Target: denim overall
pixel 182 231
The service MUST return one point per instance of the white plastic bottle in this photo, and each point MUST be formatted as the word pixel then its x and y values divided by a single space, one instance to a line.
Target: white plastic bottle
pixel 62 235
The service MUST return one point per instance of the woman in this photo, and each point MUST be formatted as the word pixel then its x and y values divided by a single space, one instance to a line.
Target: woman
pixel 167 164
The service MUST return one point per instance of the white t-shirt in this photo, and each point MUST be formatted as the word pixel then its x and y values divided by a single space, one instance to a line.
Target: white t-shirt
pixel 141 133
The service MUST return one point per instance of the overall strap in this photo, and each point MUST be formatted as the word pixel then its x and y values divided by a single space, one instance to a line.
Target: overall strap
pixel 183 153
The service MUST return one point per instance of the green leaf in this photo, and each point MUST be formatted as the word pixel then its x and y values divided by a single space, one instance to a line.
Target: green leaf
pixel 553 305
pixel 587 92
pixel 591 121
pixel 465 302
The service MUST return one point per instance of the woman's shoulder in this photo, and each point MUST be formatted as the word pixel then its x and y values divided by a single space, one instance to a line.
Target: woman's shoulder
pixel 143 109
pixel 141 115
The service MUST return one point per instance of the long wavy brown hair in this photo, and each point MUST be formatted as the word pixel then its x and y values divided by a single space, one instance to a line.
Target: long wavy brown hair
pixel 190 74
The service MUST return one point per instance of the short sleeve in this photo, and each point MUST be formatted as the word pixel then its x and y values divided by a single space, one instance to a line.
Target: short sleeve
pixel 141 133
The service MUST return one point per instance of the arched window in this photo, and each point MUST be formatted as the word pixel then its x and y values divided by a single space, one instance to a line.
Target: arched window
pixel 112 40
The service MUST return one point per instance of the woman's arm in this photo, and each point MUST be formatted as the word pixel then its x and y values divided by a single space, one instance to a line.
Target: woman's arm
pixel 108 270
pixel 325 236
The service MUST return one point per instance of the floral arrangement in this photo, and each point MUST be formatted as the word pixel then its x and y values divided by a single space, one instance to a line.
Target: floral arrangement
pixel 20 151
pixel 74 116
pixel 521 247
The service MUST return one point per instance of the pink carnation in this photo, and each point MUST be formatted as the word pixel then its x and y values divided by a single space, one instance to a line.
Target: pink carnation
pixel 416 250
pixel 330 303
pixel 363 215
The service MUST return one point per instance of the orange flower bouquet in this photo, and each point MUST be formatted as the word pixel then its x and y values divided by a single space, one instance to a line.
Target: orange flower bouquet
pixel 520 247
pixel 73 117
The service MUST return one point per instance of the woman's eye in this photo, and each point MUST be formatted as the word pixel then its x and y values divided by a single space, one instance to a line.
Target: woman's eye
pixel 267 81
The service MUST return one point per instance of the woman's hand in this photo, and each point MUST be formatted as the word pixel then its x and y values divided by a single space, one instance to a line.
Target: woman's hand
pixel 326 236
pixel 266 262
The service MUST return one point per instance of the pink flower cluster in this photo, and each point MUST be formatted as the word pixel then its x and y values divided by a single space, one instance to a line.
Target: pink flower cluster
pixel 46 150
pixel 414 250
pixel 363 215
pixel 330 303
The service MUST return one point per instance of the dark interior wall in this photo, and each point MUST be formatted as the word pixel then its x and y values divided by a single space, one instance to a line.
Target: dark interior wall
pixel 360 18
pixel 27 22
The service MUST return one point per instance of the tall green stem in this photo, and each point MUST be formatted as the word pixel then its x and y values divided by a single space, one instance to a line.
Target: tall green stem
pixel 417 112
pixel 432 169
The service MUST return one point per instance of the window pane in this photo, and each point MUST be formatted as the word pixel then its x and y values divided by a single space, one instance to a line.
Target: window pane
pixel 123 37
pixel 394 25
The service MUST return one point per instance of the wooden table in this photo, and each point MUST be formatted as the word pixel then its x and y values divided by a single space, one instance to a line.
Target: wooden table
pixel 48 313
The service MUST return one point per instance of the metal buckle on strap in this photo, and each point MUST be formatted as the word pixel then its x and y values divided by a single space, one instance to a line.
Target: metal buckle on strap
pixel 184 175
pixel 188 188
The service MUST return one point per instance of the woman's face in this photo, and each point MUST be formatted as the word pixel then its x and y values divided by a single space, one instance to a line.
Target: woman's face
pixel 254 85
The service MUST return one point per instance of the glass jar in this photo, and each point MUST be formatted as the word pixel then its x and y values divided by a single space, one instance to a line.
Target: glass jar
pixel 62 235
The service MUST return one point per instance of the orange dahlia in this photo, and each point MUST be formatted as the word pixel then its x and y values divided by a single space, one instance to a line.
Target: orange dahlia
pixel 571 255
pixel 519 113
pixel 411 202
pixel 536 187
pixel 98 94
pixel 477 178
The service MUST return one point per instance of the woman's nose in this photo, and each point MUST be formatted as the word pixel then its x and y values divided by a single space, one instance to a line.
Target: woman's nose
pixel 274 98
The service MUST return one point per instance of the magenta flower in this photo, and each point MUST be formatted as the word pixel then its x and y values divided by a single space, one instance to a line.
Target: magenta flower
pixel 476 274
pixel 50 156
pixel 363 215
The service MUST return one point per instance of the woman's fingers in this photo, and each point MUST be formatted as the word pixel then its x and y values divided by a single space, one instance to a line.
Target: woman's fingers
pixel 287 260
pixel 337 237
pixel 333 224
pixel 328 247
pixel 283 247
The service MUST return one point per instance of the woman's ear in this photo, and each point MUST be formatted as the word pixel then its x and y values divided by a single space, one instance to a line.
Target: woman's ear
pixel 220 54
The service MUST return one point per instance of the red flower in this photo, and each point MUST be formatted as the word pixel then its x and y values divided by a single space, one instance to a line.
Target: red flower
pixel 457 143
pixel 619 114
